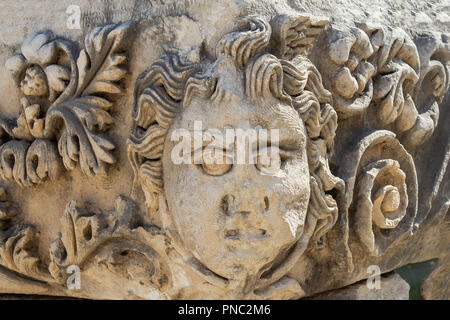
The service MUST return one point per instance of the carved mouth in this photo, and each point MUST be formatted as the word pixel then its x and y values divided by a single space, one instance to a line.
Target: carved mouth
pixel 249 234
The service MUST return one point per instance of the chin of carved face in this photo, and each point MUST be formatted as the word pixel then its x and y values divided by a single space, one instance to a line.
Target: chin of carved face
pixel 236 218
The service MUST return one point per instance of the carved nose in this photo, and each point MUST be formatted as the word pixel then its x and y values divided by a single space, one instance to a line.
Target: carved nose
pixel 242 205
pixel 232 206
pixel 244 219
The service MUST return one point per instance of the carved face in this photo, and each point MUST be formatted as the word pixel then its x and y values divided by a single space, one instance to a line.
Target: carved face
pixel 232 217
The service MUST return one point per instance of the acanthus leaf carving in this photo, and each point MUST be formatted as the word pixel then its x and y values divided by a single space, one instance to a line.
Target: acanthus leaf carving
pixel 19 243
pixel 81 140
pixel 295 35
pixel 17 253
pixel 68 100
pixel 82 232
pixel 102 63
pixel 88 233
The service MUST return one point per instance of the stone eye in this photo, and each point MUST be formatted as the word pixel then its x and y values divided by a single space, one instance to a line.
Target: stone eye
pixel 269 160
pixel 214 162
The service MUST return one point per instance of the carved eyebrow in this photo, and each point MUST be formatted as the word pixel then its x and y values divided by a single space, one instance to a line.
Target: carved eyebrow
pixel 288 141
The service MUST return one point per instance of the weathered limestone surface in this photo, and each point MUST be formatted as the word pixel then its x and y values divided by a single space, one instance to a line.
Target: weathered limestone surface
pixel 392 287
pixel 357 92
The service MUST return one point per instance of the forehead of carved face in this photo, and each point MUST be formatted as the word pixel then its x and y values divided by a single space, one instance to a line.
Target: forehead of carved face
pixel 236 218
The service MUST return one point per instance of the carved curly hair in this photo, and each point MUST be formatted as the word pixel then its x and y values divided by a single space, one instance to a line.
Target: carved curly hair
pixel 169 84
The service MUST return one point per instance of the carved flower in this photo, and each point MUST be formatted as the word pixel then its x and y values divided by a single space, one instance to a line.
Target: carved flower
pixel 68 95
pixel 35 82
pixel 350 72
pixel 36 70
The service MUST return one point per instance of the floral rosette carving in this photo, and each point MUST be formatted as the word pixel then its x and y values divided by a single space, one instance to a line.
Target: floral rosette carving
pixel 348 69
pixel 384 201
pixel 393 80
pixel 410 82
pixel 67 96
pixel 45 68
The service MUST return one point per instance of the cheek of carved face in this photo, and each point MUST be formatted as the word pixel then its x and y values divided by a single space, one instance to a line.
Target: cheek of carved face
pixel 237 218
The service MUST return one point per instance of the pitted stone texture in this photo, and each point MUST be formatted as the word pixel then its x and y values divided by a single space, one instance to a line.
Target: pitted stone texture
pixel 392 287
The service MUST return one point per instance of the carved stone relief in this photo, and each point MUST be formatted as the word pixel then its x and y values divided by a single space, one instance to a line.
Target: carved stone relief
pixel 353 106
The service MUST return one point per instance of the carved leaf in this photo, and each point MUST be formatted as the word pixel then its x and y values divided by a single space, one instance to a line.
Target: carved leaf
pixel 84 118
pixel 78 101
pixel 22 128
pixel 58 78
pixel 101 67
pixel 29 164
pixel 101 64
pixel 19 254
pixel 42 161
pixel 296 34
pixel 83 231
pixel 79 230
